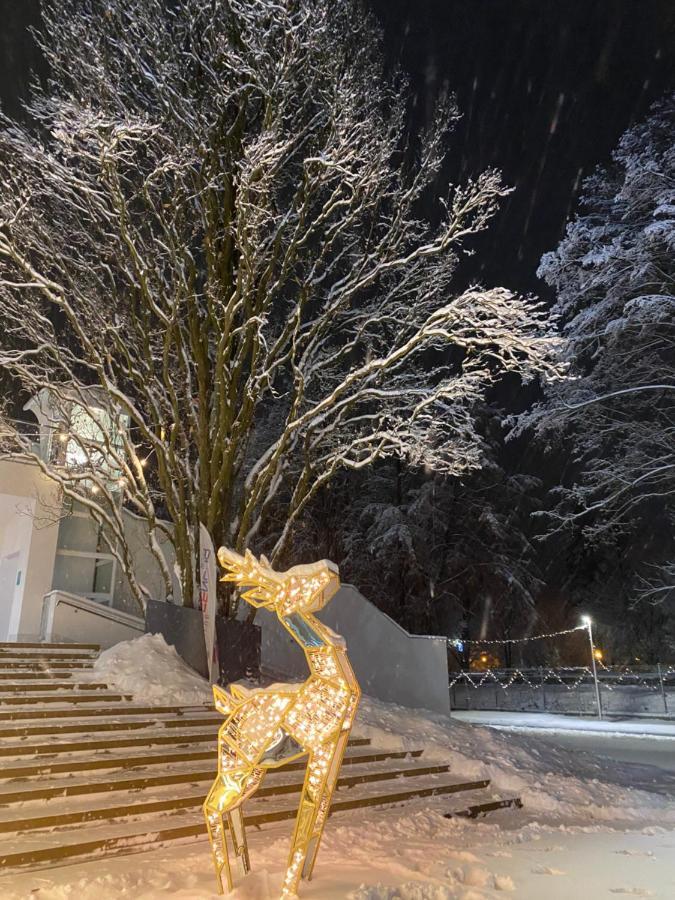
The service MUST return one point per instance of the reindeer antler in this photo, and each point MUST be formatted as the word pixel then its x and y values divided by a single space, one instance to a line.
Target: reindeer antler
pixel 257 582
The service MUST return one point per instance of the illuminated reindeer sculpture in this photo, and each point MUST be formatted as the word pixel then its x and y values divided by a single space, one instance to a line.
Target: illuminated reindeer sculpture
pixel 268 727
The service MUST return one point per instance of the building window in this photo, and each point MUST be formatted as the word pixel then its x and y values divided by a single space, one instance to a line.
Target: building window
pixel 84 565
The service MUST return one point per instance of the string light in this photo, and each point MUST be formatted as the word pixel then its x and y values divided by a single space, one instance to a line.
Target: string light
pixel 569 677
pixel 458 643
pixel 519 675
pixel 268 727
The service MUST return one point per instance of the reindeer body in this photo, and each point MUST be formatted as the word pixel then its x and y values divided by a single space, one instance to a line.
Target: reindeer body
pixel 267 728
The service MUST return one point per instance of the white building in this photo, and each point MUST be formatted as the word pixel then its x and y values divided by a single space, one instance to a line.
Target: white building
pixel 46 546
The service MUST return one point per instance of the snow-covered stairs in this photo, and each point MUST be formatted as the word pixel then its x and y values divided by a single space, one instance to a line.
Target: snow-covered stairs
pixel 85 771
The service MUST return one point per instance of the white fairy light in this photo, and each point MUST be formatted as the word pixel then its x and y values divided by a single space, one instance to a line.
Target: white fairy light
pixel 524 640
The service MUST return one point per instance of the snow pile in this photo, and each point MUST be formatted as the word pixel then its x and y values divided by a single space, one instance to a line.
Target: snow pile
pixel 555 784
pixel 153 672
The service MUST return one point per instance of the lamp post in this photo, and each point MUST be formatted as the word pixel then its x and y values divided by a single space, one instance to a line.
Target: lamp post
pixel 586 621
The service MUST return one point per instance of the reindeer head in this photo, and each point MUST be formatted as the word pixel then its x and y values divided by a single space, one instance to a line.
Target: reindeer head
pixel 300 589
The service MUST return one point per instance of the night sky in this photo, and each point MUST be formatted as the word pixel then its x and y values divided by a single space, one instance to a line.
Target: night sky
pixel 546 88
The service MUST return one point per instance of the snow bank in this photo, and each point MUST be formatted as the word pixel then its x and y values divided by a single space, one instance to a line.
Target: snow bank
pixel 153 672
pixel 556 785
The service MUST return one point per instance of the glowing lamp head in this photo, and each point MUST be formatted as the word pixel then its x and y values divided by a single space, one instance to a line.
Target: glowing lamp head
pixel 586 621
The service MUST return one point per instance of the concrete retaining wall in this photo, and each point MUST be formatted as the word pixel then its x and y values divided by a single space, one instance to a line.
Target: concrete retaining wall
pixel 390 664
pixel 66 617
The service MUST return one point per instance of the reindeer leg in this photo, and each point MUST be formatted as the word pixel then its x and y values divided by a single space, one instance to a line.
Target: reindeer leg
pixel 335 752
pixel 224 801
pixel 236 821
pixel 312 813
pixel 215 826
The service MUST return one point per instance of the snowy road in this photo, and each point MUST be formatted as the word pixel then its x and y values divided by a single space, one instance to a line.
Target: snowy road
pixel 644 742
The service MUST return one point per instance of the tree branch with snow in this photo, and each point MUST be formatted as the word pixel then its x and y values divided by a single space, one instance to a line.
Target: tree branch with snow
pixel 215 222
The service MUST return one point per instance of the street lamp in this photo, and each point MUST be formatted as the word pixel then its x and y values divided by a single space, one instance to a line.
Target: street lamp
pixel 587 623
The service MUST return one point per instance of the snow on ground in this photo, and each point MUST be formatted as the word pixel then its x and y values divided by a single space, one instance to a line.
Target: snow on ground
pixel 551 781
pixel 585 829
pixel 408 853
pixel 533 721
pixel 152 671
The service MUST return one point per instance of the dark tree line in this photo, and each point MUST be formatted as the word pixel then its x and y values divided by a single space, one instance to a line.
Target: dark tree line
pixel 573 509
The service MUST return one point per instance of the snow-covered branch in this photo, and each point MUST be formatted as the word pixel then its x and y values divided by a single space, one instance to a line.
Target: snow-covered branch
pixel 216 225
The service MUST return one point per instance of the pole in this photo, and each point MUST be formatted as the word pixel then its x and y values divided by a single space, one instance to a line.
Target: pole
pixel 589 626
pixel 543 687
pixel 663 688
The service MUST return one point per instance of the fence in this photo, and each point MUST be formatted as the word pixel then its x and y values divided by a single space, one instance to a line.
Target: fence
pixel 644 690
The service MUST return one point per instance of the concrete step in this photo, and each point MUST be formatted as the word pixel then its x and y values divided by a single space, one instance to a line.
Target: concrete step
pixel 48 664
pixel 20 730
pixel 36 848
pixel 67 688
pixel 53 748
pixel 478 810
pixel 37 674
pixel 180 795
pixel 143 730
pixel 30 714
pixel 21 645
pixel 103 696
pixel 43 656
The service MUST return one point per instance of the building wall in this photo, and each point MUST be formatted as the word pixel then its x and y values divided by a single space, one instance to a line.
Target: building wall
pixel 147 570
pixel 36 501
pixel 16 528
pixel 29 524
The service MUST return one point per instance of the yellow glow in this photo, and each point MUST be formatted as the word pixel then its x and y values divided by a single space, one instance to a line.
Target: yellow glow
pixel 269 727
pixel 597 653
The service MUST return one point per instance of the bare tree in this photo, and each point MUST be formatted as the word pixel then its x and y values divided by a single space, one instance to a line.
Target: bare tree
pixel 216 222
